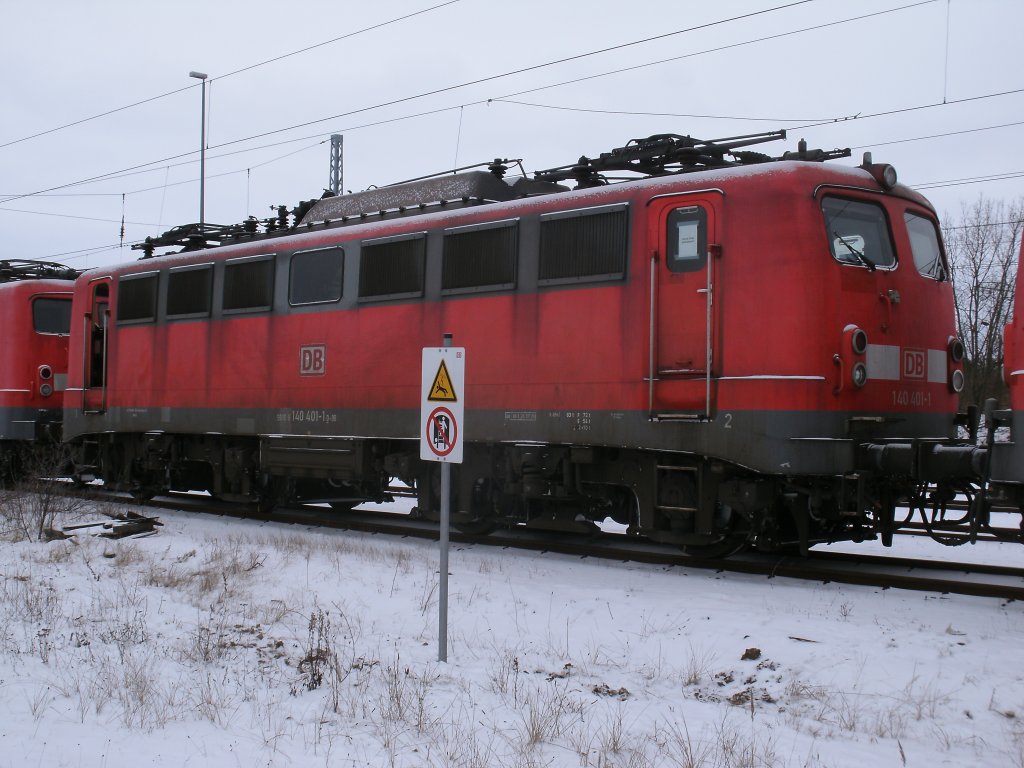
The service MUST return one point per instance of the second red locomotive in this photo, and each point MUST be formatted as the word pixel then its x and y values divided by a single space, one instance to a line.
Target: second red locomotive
pixel 35 314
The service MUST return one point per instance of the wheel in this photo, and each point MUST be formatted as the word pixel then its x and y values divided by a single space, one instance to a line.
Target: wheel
pixel 736 535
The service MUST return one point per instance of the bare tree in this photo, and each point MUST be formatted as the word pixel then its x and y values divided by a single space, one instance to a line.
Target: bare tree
pixel 982 247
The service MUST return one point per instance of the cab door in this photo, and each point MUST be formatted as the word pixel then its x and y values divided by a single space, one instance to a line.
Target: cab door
pixel 684 237
pixel 95 338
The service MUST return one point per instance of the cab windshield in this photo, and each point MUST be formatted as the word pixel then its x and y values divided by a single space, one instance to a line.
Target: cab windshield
pixel 52 316
pixel 858 233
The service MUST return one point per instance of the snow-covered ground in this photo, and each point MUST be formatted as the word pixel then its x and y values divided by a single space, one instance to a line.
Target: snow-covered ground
pixel 232 643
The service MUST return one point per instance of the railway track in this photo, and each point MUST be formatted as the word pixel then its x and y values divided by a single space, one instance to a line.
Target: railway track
pixel 885 572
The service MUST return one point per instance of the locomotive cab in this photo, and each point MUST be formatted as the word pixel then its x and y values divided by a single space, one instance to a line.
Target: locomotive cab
pixel 35 313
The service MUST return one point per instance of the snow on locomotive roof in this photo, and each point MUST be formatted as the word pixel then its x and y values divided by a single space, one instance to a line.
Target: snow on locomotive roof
pixel 314 234
pixel 478 185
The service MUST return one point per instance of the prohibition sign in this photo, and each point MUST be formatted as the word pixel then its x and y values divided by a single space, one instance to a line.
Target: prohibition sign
pixel 442 431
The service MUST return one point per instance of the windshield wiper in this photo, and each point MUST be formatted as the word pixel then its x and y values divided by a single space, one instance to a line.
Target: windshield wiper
pixel 858 254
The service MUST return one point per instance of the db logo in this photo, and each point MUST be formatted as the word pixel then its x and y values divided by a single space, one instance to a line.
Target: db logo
pixel 914 362
pixel 313 360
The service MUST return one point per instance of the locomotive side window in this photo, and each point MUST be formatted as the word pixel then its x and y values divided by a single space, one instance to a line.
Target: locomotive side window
pixel 858 233
pixel 136 297
pixel 687 241
pixel 479 257
pixel 316 277
pixel 577 245
pixel 924 244
pixel 52 316
pixel 189 291
pixel 392 268
pixel 249 285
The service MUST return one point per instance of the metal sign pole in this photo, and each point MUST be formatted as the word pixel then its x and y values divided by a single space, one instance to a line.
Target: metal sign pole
pixel 442 408
pixel 442 604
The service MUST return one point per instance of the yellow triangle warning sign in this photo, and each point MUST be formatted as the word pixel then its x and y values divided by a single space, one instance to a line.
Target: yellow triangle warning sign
pixel 442 390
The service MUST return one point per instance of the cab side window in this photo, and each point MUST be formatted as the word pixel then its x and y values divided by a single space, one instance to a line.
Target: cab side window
pixel 925 246
pixel 686 243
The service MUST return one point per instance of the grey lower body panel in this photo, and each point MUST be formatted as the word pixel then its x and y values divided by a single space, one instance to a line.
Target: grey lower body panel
pixel 28 424
pixel 768 442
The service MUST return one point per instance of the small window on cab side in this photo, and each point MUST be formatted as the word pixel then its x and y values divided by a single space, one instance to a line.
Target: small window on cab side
pixel 686 243
pixel 925 246
pixel 316 277
pixel 858 233
pixel 52 316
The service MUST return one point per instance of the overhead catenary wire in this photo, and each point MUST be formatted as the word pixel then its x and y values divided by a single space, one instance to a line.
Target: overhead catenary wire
pixel 822 122
pixel 815 124
pixel 445 89
pixel 143 166
pixel 83 218
pixel 228 74
pixel 564 108
pixel 321 141
pixel 716 49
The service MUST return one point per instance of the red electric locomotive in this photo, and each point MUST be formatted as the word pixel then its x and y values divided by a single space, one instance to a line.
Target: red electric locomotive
pixel 1006 467
pixel 734 349
pixel 35 314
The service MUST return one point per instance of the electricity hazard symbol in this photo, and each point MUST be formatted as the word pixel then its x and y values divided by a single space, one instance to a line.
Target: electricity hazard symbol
pixel 442 404
pixel 442 390
pixel 442 431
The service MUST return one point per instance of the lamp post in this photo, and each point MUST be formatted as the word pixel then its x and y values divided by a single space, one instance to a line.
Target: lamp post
pixel 202 151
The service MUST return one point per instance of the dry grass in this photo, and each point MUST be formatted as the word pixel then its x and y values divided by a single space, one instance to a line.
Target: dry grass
pixel 265 657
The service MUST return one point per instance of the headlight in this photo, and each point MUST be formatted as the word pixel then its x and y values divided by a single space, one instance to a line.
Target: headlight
pixel 859 375
pixel 956 381
pixel 956 349
pixel 859 342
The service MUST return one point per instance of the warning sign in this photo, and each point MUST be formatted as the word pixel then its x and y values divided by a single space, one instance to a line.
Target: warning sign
pixel 442 390
pixel 442 432
pixel 442 403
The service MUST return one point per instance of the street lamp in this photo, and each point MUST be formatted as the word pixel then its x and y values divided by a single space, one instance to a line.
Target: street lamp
pixel 202 151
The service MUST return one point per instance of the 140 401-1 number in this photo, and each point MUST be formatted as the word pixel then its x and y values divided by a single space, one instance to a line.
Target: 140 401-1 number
pixel 905 398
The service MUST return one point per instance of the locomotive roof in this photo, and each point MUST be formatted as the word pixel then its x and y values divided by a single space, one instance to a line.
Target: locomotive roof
pixel 311 235
pixel 477 186
pixel 16 270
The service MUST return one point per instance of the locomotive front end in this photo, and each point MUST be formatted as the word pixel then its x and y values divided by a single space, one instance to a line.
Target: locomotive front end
pixel 35 311
pixel 808 353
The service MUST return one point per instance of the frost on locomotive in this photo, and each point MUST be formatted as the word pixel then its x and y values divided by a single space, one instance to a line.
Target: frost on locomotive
pixel 35 314
pixel 731 349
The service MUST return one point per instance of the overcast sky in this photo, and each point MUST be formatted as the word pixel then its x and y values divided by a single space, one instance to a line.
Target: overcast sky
pixel 68 60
